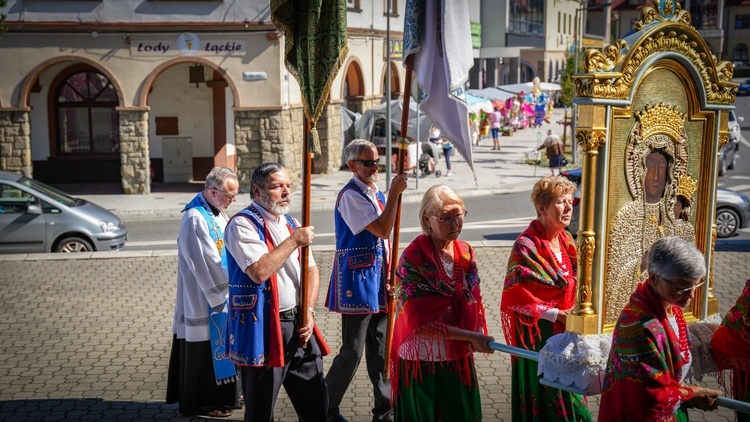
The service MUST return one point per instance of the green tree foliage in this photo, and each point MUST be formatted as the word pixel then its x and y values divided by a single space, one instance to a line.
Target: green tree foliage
pixel 567 80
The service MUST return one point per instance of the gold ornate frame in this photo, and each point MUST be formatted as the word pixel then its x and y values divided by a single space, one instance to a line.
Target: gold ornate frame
pixel 664 65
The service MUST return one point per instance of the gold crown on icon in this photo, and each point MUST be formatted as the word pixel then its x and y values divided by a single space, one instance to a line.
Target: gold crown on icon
pixel 686 185
pixel 661 118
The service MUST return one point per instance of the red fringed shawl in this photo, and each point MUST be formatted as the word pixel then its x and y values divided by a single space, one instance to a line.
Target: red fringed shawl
pixel 424 295
pixel 731 344
pixel 534 283
pixel 731 341
pixel 645 365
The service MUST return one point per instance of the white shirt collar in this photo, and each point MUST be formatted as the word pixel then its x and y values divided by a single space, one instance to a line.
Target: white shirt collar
pixel 365 187
pixel 267 215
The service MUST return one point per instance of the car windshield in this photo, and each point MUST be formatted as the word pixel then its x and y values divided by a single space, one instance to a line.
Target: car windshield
pixel 58 195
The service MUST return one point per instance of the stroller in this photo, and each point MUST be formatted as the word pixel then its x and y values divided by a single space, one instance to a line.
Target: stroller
pixel 428 160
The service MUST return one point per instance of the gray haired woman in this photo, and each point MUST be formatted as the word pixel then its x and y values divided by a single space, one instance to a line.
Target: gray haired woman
pixel 650 354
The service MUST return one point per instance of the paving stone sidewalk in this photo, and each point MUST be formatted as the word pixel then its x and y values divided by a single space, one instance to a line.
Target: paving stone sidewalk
pixel 89 338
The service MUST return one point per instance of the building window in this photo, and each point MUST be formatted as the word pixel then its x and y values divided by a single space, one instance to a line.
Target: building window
pixel 393 4
pixel 87 122
pixel 353 5
pixel 704 13
pixel 742 22
pixel 740 53
pixel 526 17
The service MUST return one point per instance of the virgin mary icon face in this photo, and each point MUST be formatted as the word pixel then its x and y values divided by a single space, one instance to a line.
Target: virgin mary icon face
pixel 656 176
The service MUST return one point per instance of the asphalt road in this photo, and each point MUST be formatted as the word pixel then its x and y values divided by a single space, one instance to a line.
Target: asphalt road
pixel 492 217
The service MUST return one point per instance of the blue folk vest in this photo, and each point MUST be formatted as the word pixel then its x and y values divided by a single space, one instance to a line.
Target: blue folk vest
pixel 254 330
pixel 358 276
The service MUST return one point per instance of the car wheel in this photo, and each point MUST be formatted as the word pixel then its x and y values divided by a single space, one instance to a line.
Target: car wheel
pixel 73 244
pixel 722 166
pixel 727 222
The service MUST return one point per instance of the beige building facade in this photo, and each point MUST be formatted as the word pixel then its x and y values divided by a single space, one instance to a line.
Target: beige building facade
pixel 138 92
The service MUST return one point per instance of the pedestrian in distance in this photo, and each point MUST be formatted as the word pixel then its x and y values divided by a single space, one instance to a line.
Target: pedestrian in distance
pixel 201 376
pixel 364 221
pixel 447 153
pixel 266 339
pixel 496 122
pixel 538 294
pixel 440 320
pixel 650 356
pixel 554 150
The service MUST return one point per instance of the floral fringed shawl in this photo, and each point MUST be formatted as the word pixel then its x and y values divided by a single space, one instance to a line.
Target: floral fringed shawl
pixel 534 283
pixel 731 341
pixel 731 345
pixel 642 380
pixel 424 296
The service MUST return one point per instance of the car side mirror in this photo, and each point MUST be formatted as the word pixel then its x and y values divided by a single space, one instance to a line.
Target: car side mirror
pixel 34 209
pixel 740 119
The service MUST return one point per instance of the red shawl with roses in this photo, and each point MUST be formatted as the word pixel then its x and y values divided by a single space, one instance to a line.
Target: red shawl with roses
pixel 425 295
pixel 536 282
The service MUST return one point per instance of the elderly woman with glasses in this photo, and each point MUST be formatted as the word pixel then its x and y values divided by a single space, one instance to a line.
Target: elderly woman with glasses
pixel 650 355
pixel 538 293
pixel 440 320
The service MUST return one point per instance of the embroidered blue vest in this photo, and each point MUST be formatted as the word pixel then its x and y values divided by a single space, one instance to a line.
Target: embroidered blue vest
pixel 358 277
pixel 250 307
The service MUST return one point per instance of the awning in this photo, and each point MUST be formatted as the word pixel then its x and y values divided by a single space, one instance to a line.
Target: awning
pixel 492 93
pixel 528 86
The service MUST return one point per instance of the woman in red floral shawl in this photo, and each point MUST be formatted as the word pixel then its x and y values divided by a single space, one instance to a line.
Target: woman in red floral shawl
pixel 539 292
pixel 731 348
pixel 440 319
pixel 650 354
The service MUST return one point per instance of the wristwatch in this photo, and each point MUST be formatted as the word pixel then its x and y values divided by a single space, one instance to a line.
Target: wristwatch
pixel 312 311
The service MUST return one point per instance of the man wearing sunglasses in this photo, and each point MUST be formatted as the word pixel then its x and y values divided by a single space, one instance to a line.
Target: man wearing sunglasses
pixel 364 221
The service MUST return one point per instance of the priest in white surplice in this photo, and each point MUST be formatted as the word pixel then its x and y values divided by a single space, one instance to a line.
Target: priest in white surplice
pixel 201 376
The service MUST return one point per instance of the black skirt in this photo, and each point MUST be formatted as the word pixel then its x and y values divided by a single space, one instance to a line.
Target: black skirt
pixel 191 380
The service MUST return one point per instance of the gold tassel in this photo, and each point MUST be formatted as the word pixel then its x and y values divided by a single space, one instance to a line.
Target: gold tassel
pixel 313 144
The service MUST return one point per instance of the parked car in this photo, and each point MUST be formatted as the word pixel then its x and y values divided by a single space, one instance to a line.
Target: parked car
pixel 732 208
pixel 35 217
pixel 744 88
pixel 732 212
pixel 728 154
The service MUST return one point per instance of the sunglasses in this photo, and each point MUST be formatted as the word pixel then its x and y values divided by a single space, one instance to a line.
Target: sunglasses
pixel 366 163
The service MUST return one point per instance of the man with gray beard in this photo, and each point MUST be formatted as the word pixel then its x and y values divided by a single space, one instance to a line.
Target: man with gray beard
pixel 364 221
pixel 263 260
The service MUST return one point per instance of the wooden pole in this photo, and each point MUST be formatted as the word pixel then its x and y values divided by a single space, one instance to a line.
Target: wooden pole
pixel 304 258
pixel 403 145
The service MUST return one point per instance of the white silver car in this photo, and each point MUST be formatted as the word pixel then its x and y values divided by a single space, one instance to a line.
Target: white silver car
pixel 35 217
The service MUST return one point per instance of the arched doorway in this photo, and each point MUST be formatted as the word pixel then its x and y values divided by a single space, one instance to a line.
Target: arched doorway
pixel 191 125
pixel 395 82
pixel 83 127
pixel 353 87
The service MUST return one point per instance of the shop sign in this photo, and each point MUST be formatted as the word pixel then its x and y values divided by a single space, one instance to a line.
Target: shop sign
pixel 186 44
pixel 476 35
pixel 396 50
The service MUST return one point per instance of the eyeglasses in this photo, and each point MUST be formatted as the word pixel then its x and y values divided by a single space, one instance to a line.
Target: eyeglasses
pixel 681 292
pixel 455 218
pixel 227 194
pixel 366 163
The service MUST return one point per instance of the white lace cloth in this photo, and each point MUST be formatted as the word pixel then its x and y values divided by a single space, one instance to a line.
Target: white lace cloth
pixel 701 333
pixel 580 361
pixel 576 360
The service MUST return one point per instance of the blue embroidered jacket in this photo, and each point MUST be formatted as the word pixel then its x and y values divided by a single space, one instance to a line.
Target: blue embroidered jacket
pixel 358 276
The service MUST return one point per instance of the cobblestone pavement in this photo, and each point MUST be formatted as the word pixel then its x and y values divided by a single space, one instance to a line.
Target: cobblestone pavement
pixel 89 338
